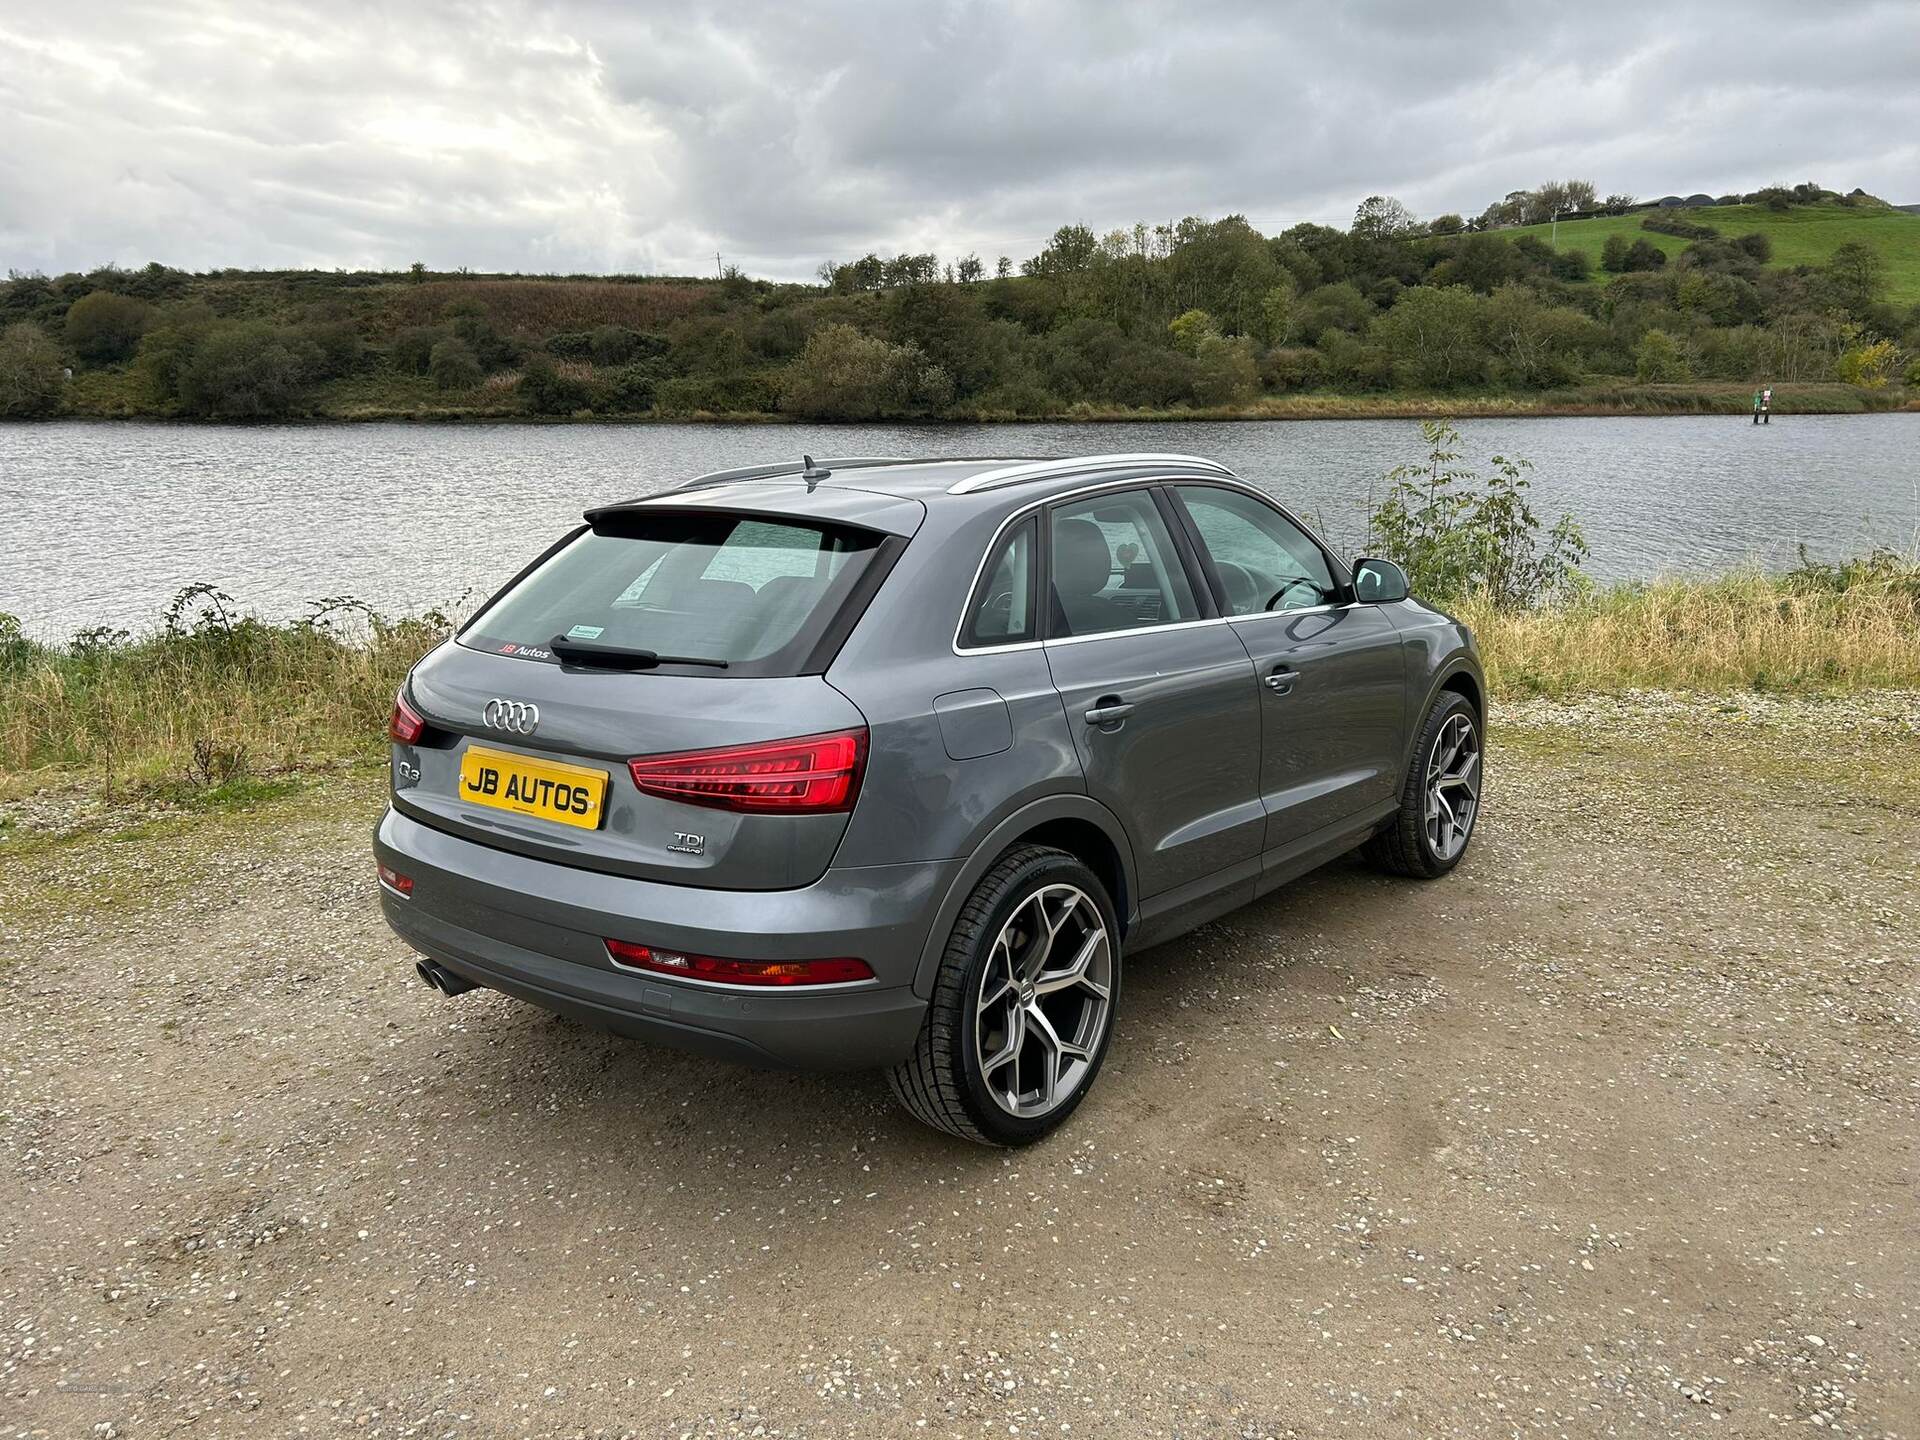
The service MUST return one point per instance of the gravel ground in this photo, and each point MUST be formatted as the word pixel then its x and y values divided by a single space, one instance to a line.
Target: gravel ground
pixel 1611 1133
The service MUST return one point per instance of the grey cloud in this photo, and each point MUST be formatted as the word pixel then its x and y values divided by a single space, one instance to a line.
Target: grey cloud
pixel 580 136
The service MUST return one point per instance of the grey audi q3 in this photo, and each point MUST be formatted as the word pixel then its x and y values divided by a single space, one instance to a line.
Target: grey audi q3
pixel 890 763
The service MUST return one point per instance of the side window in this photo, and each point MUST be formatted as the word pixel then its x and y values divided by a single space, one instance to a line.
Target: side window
pixel 1264 560
pixel 1114 567
pixel 1001 610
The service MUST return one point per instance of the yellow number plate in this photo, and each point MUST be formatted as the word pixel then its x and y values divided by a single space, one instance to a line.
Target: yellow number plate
pixel 565 794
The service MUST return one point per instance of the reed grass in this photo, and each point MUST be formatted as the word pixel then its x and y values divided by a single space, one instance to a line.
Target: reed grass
pixel 222 700
pixel 1836 628
pixel 206 707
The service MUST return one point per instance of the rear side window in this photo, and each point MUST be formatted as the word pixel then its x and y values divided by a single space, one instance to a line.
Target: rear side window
pixel 753 591
pixel 1114 567
pixel 1001 611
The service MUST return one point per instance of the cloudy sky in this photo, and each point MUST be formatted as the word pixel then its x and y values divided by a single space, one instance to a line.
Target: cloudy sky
pixel 637 137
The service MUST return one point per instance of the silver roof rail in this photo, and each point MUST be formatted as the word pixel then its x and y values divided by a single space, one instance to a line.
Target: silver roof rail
pixel 1076 465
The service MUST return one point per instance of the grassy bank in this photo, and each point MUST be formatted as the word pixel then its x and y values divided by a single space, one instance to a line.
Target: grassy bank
pixel 1847 627
pixel 202 711
pixel 221 710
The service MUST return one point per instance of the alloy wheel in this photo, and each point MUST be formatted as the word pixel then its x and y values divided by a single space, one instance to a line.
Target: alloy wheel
pixel 1044 1001
pixel 1453 786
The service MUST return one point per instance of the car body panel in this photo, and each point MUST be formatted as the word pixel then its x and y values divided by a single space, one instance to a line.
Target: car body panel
pixel 1182 769
pixel 602 719
pixel 1331 684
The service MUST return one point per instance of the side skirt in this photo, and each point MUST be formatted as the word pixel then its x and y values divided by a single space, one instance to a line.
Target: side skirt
pixel 1167 916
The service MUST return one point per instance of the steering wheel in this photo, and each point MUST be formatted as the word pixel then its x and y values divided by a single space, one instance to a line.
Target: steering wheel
pixel 1243 591
pixel 1294 584
pixel 998 607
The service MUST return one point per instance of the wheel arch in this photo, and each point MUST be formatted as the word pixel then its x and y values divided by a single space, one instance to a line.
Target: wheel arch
pixel 1459 673
pixel 1077 824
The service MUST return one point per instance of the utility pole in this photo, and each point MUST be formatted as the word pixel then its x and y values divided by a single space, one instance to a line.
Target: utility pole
pixel 718 273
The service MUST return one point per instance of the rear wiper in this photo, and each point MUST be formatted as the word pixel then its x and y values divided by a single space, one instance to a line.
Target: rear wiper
pixel 619 657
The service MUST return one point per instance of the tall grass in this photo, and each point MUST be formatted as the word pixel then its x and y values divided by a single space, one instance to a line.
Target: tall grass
pixel 1844 627
pixel 207 701
pixel 208 696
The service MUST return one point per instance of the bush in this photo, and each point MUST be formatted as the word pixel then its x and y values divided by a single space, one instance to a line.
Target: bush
pixel 1227 373
pixel 617 344
pixel 626 389
pixel 1620 255
pixel 337 345
pixel 1290 368
pixel 1573 266
pixel 732 392
pixel 1870 366
pixel 1756 246
pixel 1659 359
pixel 454 366
pixel 104 328
pixel 1457 534
pixel 571 345
pixel 1434 336
pixel 492 349
pixel 845 375
pixel 412 349
pixel 31 372
pixel 550 389
pixel 1664 224
pixel 247 370
pixel 1189 328
pixel 1645 255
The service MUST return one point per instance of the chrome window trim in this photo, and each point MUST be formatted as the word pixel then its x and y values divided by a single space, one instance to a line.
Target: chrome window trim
pixel 1226 479
pixel 1041 469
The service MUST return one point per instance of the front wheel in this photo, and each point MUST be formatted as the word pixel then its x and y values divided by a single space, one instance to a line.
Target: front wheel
pixel 1023 1006
pixel 1441 798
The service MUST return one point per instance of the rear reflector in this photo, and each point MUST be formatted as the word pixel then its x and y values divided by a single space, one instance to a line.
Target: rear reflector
pixel 406 724
pixel 811 775
pixel 401 885
pixel 737 972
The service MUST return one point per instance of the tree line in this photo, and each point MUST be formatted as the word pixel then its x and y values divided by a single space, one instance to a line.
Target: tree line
pixel 1198 314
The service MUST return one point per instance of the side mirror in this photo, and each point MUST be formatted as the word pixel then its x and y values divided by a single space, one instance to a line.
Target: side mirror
pixel 1378 582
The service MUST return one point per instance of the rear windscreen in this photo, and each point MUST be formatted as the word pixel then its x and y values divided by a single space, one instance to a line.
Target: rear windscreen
pixel 753 591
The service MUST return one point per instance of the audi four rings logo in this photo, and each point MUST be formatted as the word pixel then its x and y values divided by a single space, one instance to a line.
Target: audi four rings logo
pixel 519 716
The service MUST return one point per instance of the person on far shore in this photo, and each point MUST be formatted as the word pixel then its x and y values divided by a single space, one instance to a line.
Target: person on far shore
pixel 1766 405
pixel 1758 396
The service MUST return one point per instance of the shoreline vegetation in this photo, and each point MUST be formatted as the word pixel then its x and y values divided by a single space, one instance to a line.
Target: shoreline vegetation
pixel 1593 401
pixel 214 709
pixel 1638 309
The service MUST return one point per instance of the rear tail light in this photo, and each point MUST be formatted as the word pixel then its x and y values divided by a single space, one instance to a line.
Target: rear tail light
pixel 812 775
pixel 405 724
pixel 737 972
pixel 401 885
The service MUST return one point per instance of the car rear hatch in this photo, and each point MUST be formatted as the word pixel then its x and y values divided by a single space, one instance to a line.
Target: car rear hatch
pixel 648 700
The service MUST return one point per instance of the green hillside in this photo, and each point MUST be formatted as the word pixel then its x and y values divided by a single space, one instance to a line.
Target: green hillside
pixel 1801 235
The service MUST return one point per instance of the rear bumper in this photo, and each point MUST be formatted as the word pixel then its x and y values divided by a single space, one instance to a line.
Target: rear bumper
pixel 535 930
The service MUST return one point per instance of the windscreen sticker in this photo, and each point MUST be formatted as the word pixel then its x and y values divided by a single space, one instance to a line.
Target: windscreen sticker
pixel 526 652
pixel 586 632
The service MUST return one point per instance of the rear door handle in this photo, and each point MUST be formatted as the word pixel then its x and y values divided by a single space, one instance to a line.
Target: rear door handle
pixel 1108 710
pixel 1281 680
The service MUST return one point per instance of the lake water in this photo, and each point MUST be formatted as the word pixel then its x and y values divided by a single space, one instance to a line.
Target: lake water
pixel 105 522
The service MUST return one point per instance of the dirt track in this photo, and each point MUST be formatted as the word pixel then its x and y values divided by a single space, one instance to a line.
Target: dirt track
pixel 1612 1133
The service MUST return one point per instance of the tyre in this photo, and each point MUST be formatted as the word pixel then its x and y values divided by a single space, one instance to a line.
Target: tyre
pixel 1023 1005
pixel 1441 798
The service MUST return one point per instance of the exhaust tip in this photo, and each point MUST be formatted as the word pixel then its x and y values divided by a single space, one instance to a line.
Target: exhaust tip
pixel 442 979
